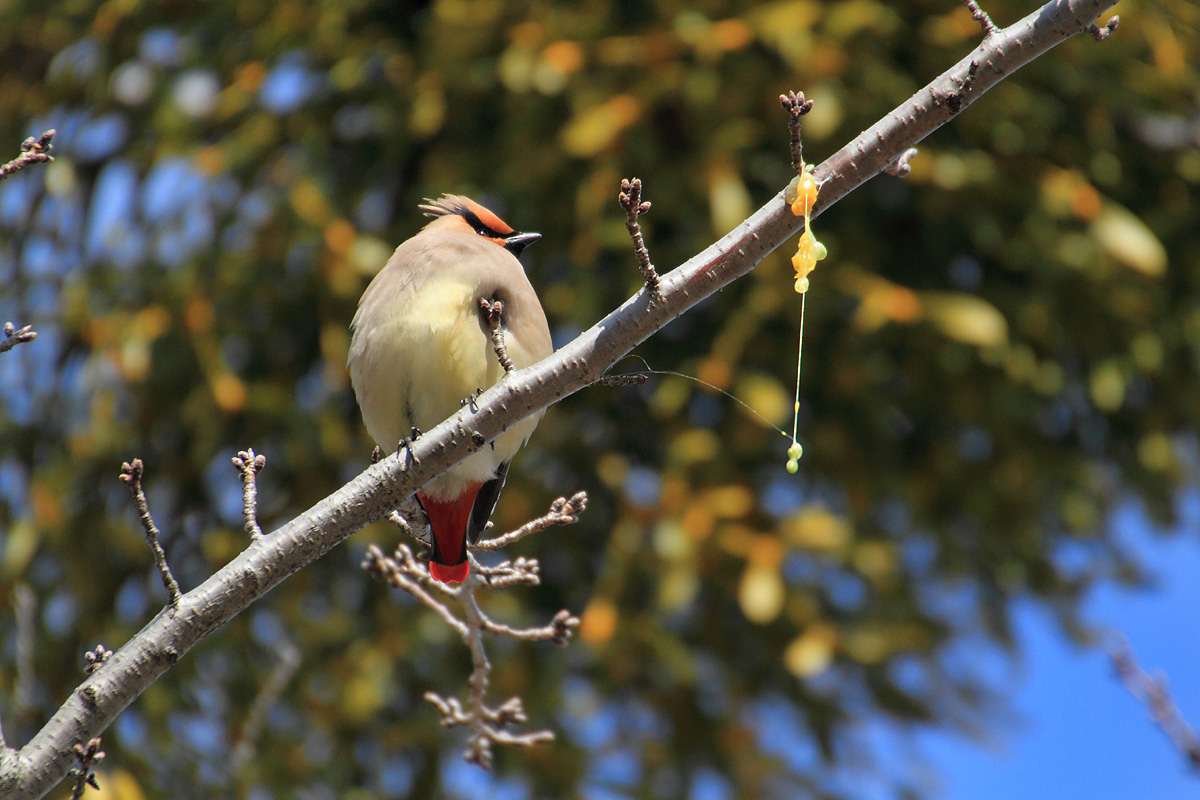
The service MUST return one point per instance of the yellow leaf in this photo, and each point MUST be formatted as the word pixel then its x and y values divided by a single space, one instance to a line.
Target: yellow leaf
pixel 19 546
pixel 869 643
pixel 1129 241
pixel 1107 386
pixel 811 652
pixel 116 785
pixel 817 529
pixel 598 621
pixel 593 129
pixel 765 395
pixel 677 588
pixel 1155 452
pixel 966 318
pixel 729 502
pixel 728 197
pixel 694 446
pixel 760 593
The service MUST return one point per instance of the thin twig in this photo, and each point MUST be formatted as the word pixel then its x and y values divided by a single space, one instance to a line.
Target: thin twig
pixel 1154 694
pixel 562 512
pixel 404 572
pixel 248 466
pixel 796 106
pixel 33 151
pixel 88 756
pixel 900 167
pixel 980 16
pixel 14 336
pixel 1100 34
pixel 631 201
pixel 285 668
pixel 558 630
pixel 495 315
pixel 131 475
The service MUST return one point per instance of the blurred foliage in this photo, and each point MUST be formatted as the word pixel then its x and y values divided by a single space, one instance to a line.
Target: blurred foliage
pixel 1000 348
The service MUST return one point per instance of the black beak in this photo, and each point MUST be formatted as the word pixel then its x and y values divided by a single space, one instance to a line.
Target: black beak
pixel 517 243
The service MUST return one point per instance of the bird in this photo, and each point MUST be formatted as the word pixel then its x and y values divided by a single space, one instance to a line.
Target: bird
pixel 421 345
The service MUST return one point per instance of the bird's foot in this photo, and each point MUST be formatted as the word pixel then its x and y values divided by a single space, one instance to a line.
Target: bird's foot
pixel 406 445
pixel 471 401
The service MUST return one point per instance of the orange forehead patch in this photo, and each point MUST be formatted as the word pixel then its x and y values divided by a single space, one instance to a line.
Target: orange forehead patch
pixel 468 209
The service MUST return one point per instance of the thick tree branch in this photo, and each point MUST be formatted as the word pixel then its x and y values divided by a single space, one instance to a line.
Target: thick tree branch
pixel 45 760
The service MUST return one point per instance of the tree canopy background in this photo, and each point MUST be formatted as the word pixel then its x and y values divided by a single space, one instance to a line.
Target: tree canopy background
pixel 1001 347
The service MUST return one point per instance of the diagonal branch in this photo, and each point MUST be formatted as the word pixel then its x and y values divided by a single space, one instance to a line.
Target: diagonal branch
pixel 45 760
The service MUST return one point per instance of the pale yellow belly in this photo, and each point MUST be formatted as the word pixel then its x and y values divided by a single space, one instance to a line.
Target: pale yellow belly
pixel 420 362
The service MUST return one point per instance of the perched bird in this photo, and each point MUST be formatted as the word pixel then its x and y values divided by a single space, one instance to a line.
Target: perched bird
pixel 422 344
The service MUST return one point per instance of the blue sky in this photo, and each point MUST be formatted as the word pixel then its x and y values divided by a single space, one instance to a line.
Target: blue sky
pixel 1079 733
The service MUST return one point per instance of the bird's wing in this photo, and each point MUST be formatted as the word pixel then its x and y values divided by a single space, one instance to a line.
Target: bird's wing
pixel 485 503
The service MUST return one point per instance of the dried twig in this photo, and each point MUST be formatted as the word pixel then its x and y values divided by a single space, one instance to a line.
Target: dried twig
pixel 131 475
pixel 88 756
pixel 796 106
pixel 1154 694
pixel 980 16
pixel 900 167
pixel 488 723
pixel 1100 34
pixel 495 316
pixel 285 668
pixel 630 199
pixel 248 466
pixel 94 659
pixel 562 512
pixel 403 571
pixel 33 151
pixel 14 336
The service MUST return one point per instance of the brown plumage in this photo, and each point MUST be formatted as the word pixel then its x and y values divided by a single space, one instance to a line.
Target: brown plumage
pixel 421 345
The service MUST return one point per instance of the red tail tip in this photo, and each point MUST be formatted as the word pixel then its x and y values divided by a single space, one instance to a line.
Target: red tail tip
pixel 449 573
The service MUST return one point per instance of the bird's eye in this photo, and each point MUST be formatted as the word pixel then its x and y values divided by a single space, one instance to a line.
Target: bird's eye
pixel 483 232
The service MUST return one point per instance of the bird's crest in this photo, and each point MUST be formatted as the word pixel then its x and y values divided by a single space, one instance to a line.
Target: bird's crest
pixel 479 218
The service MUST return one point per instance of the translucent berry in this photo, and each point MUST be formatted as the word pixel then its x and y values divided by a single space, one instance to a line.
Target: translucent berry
pixel 795 451
pixel 801 285
pixel 793 465
pixel 792 190
pixel 820 251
